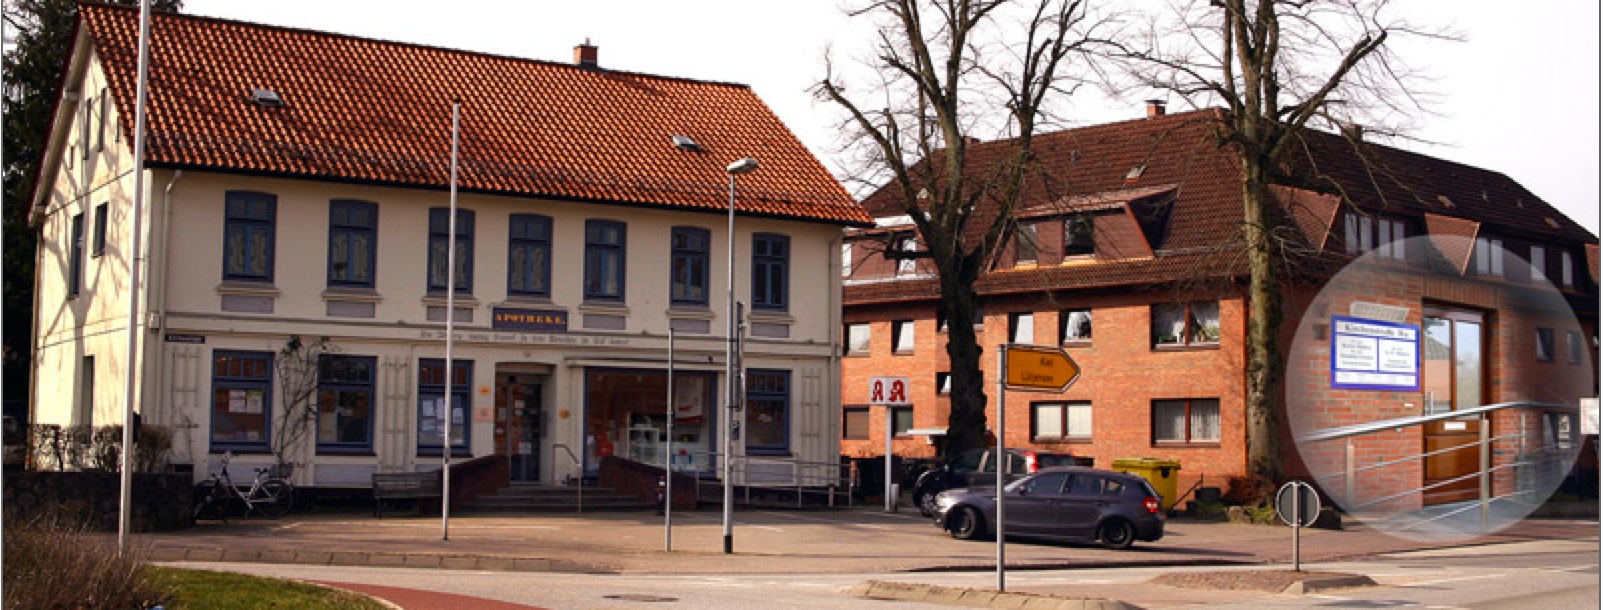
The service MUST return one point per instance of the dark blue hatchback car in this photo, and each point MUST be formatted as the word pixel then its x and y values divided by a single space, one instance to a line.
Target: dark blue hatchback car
pixel 1067 503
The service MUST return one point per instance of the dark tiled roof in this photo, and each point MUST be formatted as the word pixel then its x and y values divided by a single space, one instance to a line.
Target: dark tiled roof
pixel 376 111
pixel 1182 151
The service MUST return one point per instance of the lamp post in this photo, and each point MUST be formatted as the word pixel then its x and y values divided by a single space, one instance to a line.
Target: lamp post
pixel 741 166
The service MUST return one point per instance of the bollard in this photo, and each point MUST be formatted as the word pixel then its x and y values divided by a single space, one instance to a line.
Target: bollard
pixel 896 496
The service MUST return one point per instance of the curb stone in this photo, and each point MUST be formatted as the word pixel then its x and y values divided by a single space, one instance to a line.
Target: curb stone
pixel 1316 585
pixel 979 598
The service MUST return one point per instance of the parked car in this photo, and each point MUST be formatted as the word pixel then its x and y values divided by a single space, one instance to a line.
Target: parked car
pixel 979 467
pixel 1076 504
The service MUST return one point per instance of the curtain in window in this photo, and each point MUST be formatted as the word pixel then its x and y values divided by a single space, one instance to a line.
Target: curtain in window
pixel 1169 324
pixel 1169 420
pixel 1078 420
pixel 1077 325
pixel 858 338
pixel 904 336
pixel 1205 421
pixel 1049 421
pixel 1205 322
pixel 1024 328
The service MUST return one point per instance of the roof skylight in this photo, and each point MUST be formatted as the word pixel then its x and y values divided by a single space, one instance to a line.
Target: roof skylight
pixel 267 98
pixel 685 143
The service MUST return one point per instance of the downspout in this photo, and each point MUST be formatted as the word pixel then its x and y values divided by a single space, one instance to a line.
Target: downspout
pixel 158 320
pixel 837 298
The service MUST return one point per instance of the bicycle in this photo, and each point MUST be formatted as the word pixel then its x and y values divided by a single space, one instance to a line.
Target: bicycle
pixel 268 495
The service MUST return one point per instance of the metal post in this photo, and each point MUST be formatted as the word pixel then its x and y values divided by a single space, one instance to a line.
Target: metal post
pixel 451 318
pixel 1352 486
pixel 729 379
pixel 1297 527
pixel 668 452
pixel 891 502
pixel 1002 459
pixel 125 494
pixel 1484 456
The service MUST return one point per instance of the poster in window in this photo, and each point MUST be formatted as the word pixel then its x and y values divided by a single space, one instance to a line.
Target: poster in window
pixel 236 401
pixel 690 394
pixel 253 401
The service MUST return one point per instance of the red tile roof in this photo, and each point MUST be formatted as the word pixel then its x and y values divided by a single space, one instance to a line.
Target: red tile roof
pixel 379 112
pixel 1453 237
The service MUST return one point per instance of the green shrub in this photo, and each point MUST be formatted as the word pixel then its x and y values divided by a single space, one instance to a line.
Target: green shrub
pixel 51 565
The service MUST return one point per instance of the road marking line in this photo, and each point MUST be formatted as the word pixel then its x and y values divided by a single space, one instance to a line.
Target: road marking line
pixel 1456 579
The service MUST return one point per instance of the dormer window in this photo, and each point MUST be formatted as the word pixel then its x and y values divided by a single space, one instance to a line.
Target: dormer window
pixel 1361 234
pixel 267 98
pixel 1080 235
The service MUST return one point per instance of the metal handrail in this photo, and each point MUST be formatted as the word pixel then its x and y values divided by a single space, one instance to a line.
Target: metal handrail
pixel 1484 443
pixel 580 503
pixel 804 474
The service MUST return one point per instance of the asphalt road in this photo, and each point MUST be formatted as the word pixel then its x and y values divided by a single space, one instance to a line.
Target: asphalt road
pixel 1547 574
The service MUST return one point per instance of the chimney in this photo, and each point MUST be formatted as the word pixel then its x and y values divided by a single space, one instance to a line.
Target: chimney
pixel 1353 131
pixel 1155 108
pixel 585 55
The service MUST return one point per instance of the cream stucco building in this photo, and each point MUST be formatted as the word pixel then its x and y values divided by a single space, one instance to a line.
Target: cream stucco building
pixel 296 186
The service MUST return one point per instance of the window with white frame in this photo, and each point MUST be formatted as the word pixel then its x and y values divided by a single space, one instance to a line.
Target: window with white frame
pixel 1178 324
pixel 907 246
pixel 1057 421
pixel 1545 344
pixel 1489 256
pixel 1022 328
pixel 1186 421
pixel 857 339
pixel 902 337
pixel 1080 235
pixel 1025 243
pixel 1539 262
pixel 943 384
pixel 1567 269
pixel 846 259
pixel 1362 234
pixel 1075 326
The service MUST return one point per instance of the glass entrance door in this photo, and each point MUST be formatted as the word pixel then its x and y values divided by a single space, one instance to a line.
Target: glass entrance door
pixel 519 415
pixel 1453 375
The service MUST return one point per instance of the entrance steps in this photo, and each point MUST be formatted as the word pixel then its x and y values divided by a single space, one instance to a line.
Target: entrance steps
pixel 525 498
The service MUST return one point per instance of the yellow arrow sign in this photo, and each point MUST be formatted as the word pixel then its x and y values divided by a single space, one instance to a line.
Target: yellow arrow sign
pixel 1036 367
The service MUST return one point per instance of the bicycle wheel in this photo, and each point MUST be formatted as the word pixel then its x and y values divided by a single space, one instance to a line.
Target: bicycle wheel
pixel 273 499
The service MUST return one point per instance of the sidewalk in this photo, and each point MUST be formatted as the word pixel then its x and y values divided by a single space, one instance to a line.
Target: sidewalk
pixel 833 542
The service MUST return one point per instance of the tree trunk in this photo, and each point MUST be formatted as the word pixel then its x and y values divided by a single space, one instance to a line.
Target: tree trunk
pixel 966 423
pixel 1264 366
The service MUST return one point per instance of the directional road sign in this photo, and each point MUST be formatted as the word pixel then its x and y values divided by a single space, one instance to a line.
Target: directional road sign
pixel 1039 368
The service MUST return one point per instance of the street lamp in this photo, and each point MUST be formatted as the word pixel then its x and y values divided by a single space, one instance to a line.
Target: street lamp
pixel 742 166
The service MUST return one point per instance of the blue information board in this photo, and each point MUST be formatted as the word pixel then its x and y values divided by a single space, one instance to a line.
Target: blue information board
pixel 1374 355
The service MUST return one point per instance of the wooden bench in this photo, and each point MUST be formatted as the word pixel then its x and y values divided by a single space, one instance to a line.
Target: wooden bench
pixel 404 486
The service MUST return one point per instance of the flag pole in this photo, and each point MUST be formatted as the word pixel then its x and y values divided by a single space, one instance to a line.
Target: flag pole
pixel 451 318
pixel 125 499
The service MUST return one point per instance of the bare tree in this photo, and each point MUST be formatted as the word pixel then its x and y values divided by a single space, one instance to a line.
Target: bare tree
pixel 945 70
pixel 298 365
pixel 1275 65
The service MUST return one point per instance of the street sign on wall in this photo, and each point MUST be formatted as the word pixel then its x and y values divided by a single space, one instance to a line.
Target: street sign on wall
pixel 889 391
pixel 1039 368
pixel 1374 355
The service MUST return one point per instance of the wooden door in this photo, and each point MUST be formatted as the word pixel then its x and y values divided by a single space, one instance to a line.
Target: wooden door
pixel 1453 378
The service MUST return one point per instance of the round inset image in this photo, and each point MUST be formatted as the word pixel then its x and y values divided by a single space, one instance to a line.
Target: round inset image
pixel 1435 400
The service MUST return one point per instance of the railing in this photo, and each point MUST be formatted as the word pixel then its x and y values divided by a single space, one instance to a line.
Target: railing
pixel 825 481
pixel 1544 436
pixel 580 503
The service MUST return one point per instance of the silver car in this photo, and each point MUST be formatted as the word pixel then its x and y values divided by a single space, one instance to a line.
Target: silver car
pixel 1068 503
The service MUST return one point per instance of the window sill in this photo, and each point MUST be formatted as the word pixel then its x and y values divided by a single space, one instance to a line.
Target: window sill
pixel 1195 347
pixel 856 355
pixel 461 299
pixel 351 452
pixel 771 316
pixel 1070 440
pixel 1077 344
pixel 1186 445
pixel 695 312
pixel 343 293
pixel 603 307
pixel 258 289
pixel 528 299
pixel 905 352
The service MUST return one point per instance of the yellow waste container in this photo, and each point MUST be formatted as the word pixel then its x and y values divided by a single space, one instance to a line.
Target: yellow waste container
pixel 1162 474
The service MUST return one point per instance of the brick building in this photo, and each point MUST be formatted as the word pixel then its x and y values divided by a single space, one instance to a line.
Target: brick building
pixel 1124 256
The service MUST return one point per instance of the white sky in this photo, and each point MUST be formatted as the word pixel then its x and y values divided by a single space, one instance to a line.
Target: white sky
pixel 1521 96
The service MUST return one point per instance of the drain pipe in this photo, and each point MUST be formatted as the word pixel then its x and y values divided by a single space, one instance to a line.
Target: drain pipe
pixel 158 321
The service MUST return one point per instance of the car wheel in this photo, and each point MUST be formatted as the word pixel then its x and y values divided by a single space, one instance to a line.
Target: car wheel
pixel 926 501
pixel 1117 534
pixel 966 523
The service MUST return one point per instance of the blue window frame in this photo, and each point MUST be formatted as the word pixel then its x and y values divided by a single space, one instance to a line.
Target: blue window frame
pixel 688 267
pixel 771 274
pixel 242 401
pixel 75 261
pixel 768 411
pixel 432 405
pixel 353 242
pixel 529 256
pixel 439 241
pixel 345 404
pixel 248 236
pixel 99 246
pixel 604 260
